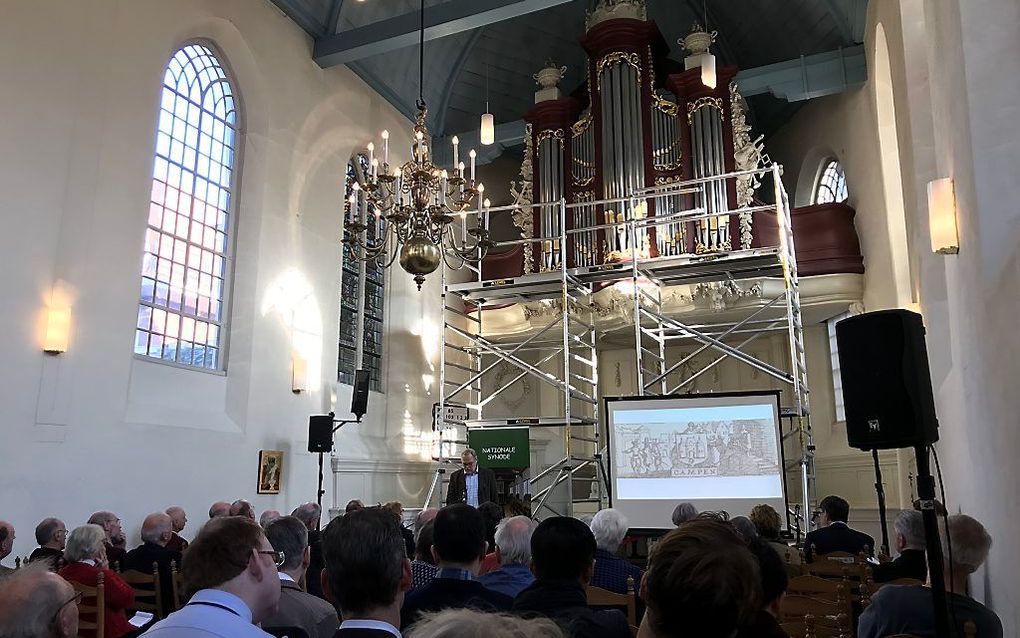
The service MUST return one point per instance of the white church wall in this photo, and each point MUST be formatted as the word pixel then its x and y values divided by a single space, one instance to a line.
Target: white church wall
pixel 96 428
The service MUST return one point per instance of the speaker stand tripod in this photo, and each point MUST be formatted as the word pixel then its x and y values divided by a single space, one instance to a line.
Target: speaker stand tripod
pixel 339 424
pixel 936 573
pixel 880 491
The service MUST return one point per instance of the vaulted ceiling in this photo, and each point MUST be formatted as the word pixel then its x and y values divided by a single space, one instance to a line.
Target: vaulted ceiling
pixel 471 44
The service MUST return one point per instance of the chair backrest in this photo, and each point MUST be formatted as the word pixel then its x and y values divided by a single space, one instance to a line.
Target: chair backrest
pixel 93 604
pixel 834 591
pixel 598 597
pixel 148 594
pixel 811 626
pixel 177 585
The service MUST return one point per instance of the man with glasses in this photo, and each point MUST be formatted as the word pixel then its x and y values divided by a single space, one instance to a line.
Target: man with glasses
pixel 298 608
pixel 110 522
pixel 51 534
pixel 38 603
pixel 230 577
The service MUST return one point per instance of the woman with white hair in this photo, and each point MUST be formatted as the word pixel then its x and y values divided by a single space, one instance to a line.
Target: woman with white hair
pixel 457 623
pixel 611 572
pixel 85 554
pixel 684 512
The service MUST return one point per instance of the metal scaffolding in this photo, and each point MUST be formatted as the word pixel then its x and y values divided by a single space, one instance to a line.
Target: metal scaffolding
pixel 563 354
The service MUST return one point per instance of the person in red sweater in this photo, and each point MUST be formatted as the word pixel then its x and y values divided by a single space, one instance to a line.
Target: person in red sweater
pixel 85 554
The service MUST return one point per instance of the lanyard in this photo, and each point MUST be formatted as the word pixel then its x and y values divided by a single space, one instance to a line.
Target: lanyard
pixel 208 604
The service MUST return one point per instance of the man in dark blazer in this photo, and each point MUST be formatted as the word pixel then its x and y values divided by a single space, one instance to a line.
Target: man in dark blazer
pixel 911 563
pixel 472 484
pixel 835 535
pixel 156 532
pixel 297 608
pixel 367 572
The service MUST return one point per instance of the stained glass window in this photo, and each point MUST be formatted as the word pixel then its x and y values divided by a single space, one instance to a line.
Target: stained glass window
pixel 831 186
pixel 182 314
pixel 375 288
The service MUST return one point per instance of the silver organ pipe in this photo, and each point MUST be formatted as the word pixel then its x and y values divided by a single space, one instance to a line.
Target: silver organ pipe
pixel 550 162
pixel 666 156
pixel 582 151
pixel 623 168
pixel 707 145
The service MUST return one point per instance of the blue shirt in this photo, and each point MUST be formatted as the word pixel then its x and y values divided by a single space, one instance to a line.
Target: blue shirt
pixel 471 482
pixel 209 613
pixel 611 572
pixel 509 579
pixel 456 573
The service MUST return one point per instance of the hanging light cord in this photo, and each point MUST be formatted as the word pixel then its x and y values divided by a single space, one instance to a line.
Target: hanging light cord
pixel 421 57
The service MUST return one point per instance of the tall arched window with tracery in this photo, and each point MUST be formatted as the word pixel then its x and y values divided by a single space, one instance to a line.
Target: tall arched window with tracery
pixel 831 184
pixel 375 288
pixel 182 310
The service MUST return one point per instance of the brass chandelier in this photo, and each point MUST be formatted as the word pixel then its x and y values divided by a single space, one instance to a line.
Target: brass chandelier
pixel 412 208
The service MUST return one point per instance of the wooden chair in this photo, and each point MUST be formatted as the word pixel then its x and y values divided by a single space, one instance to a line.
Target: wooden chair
pixel 177 584
pixel 92 605
pixel 828 617
pixel 598 597
pixel 812 627
pixel 836 591
pixel 148 595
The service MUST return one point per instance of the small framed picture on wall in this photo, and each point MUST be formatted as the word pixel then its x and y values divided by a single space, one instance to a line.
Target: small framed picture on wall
pixel 270 471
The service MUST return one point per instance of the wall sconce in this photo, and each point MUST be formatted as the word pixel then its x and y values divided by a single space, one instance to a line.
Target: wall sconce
pixel 299 373
pixel 58 327
pixel 945 238
pixel 708 70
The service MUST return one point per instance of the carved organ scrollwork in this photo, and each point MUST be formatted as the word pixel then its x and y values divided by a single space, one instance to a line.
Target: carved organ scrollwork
pixel 666 143
pixel 523 197
pixel 582 141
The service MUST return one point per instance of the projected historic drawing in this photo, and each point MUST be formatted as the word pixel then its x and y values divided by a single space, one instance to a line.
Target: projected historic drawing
pixel 745 447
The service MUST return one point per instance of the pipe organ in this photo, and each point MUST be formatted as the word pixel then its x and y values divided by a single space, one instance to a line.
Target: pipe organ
pixel 640 120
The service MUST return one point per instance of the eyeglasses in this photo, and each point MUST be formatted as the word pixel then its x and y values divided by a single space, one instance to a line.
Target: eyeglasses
pixel 278 557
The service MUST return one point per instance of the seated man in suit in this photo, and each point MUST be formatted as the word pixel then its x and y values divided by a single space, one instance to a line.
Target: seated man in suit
pixel 110 523
pixel 297 608
pixel 834 534
pixel 908 609
pixel 179 519
pixel 701 581
pixel 51 534
pixel 310 514
pixel 611 572
pixel 471 484
pixel 157 530
pixel 562 559
pixel 32 594
pixel 458 547
pixel 6 545
pixel 367 572
pixel 911 563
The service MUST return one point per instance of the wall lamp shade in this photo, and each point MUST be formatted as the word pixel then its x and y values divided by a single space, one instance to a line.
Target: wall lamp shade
pixel 945 238
pixel 488 132
pixel 58 327
pixel 708 77
pixel 299 374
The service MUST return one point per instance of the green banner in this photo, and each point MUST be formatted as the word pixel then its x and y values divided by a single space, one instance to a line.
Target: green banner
pixel 501 447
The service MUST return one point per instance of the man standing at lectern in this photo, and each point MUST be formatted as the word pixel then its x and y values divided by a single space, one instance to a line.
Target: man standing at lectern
pixel 472 484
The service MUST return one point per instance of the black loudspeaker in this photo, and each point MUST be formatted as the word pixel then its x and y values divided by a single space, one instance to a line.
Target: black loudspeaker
pixel 359 399
pixel 887 391
pixel 320 433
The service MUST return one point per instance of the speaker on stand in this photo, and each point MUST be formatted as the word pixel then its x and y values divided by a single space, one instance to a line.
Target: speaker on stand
pixel 322 427
pixel 889 403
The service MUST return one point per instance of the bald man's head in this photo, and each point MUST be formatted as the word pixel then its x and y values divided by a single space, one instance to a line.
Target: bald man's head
pixel 157 528
pixel 219 508
pixel 36 602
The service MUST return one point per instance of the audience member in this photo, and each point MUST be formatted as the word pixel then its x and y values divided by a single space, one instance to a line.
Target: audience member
pixel 6 544
pixel 179 518
pixel 701 581
pixel 36 603
pixel 471 484
pixel 231 580
pixel 86 559
pixel 367 572
pixel 297 608
pixel 908 609
pixel 744 527
pixel 110 522
pixel 241 507
pixel 157 530
pixel 461 623
pixel 352 505
pixel 398 508
pixel 492 514
pixel 268 517
pixel 513 552
pixel 458 547
pixel 218 509
pixel 834 535
pixel 766 520
pixel 774 581
pixel 912 561
pixel 611 572
pixel 562 557
pixel 684 512
pixel 51 534
pixel 424 517
pixel 423 567
pixel 311 515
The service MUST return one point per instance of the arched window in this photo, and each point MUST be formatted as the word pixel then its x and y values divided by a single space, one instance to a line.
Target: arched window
pixel 182 314
pixel 375 283
pixel 831 185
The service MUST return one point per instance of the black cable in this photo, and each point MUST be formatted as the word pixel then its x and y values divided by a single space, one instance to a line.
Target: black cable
pixel 949 540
